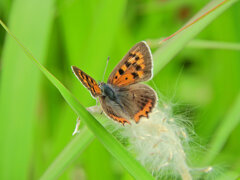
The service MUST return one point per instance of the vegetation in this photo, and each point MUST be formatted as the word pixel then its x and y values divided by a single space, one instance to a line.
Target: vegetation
pixel 198 70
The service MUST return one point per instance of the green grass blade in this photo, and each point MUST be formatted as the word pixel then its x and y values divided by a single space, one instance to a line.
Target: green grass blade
pixel 19 86
pixel 70 152
pixel 206 44
pixel 110 143
pixel 165 53
pixel 230 122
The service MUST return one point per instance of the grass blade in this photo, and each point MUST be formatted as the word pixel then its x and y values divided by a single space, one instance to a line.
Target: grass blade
pixel 223 132
pixel 19 87
pixel 206 44
pixel 70 152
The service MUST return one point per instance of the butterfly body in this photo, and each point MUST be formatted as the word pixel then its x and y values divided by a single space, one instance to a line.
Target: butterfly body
pixel 109 91
pixel 123 98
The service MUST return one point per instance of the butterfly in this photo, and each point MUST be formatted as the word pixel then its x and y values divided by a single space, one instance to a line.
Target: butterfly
pixel 123 98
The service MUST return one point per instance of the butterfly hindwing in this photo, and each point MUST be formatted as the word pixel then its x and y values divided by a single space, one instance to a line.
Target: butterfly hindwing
pixel 135 101
pixel 136 66
pixel 112 111
pixel 140 101
pixel 87 81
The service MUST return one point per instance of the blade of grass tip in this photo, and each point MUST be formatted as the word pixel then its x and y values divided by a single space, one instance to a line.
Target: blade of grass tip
pixel 223 132
pixel 171 47
pixel 206 44
pixel 110 143
pixel 70 152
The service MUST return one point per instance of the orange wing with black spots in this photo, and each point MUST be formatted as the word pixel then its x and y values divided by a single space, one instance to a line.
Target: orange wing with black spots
pixel 87 81
pixel 136 66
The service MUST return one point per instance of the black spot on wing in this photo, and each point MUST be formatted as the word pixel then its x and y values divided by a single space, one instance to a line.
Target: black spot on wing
pixel 120 71
pixel 127 64
pixel 135 75
pixel 144 100
pixel 91 80
pixel 132 55
pixel 82 74
pixel 138 67
pixel 143 104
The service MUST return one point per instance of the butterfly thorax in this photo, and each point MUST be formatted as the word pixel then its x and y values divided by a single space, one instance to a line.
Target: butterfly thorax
pixel 107 90
pixel 110 92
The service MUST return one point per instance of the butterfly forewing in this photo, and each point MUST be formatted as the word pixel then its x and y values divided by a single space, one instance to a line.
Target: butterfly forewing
pixel 136 66
pixel 87 81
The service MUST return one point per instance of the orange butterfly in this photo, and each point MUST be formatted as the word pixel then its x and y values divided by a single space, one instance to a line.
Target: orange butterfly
pixel 123 98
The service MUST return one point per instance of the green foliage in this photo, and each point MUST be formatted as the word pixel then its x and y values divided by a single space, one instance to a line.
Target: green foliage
pixel 36 123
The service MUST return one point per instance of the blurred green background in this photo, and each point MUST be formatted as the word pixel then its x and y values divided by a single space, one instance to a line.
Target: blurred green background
pixel 36 123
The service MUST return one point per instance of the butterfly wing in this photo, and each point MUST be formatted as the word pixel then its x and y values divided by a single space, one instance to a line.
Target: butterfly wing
pixel 113 111
pixel 136 66
pixel 87 81
pixel 139 101
pixel 135 101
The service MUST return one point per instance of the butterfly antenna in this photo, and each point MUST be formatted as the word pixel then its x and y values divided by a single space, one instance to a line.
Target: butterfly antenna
pixel 105 69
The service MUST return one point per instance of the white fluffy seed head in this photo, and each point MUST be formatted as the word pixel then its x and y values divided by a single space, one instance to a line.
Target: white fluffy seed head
pixel 157 142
